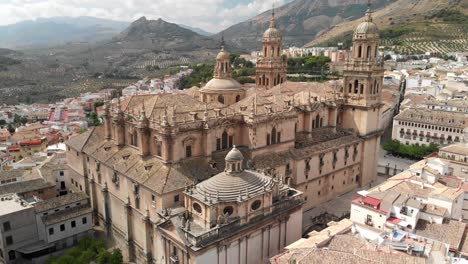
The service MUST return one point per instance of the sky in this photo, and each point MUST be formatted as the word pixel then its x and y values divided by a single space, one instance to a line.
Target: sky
pixel 210 15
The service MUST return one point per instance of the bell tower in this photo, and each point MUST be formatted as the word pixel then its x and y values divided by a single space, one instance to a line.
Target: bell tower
pixel 271 67
pixel 362 87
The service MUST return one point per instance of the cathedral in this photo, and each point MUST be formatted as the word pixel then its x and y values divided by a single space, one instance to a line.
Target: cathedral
pixel 222 173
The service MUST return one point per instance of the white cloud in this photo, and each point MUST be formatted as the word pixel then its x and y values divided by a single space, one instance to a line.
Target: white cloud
pixel 211 15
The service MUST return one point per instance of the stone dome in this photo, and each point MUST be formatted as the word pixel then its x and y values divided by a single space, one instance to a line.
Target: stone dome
pixel 367 27
pixel 225 187
pixel 223 55
pixel 272 33
pixel 222 84
pixel 234 155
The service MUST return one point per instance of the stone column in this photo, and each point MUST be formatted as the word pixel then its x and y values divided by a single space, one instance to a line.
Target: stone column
pixel 127 228
pixel 105 212
pixel 148 236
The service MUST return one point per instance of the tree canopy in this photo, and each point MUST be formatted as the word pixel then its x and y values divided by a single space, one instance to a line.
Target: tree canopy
pixel 88 250
pixel 416 152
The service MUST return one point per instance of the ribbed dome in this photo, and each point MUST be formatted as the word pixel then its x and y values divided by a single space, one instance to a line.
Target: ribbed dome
pixel 272 33
pixel 367 28
pixel 223 55
pixel 234 155
pixel 226 187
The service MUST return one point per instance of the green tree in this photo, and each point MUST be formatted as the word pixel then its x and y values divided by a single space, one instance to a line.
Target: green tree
pixel 116 257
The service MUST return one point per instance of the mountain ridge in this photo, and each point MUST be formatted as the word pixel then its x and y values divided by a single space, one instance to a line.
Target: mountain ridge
pixel 410 25
pixel 299 20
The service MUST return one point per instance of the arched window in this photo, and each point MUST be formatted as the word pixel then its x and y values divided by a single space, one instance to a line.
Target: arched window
pixel 317 121
pixel 265 51
pixel 356 84
pixel 188 151
pixel 273 136
pixel 369 50
pixel 135 139
pixel 237 98
pixel 224 140
pixel 350 88
pixel 267 81
pixel 362 89
pixel 359 52
pixel 221 99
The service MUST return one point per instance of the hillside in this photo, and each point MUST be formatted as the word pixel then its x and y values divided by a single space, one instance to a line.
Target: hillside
pixel 300 21
pixel 48 74
pixel 412 26
pixel 48 32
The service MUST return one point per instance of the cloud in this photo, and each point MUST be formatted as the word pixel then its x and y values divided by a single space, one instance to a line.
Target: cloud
pixel 211 15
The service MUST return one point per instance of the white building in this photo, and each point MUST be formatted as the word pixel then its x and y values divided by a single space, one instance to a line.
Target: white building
pixel 32 230
pixel 423 126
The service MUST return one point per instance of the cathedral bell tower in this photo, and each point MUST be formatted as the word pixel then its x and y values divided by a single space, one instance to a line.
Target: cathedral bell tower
pixel 363 73
pixel 362 87
pixel 271 66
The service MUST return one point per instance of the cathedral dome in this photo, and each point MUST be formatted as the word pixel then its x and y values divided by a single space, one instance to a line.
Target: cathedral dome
pixel 223 55
pixel 234 155
pixel 367 27
pixel 225 187
pixel 272 33
pixel 222 84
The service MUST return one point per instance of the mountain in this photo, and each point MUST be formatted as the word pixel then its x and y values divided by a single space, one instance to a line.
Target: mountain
pixel 58 30
pixel 197 30
pixel 50 73
pixel 161 35
pixel 412 26
pixel 300 21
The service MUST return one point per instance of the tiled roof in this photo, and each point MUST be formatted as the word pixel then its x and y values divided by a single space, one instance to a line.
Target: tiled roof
pixel 450 232
pixel 60 201
pixel 25 186
pixel 67 214
pixel 451 119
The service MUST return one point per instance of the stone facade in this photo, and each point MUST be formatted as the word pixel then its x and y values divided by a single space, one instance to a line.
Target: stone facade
pixel 135 168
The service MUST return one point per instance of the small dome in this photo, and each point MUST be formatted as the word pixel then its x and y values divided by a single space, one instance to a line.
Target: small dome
pixel 272 33
pixel 367 27
pixel 234 155
pixel 223 55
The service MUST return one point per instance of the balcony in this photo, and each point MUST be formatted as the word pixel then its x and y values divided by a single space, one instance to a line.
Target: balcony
pixel 234 224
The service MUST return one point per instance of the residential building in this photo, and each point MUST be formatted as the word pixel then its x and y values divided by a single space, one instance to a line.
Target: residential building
pixel 424 126
pixel 33 230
